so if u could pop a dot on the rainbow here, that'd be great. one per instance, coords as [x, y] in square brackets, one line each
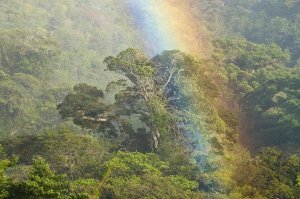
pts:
[166, 25]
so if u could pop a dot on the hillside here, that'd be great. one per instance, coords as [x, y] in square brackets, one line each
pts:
[150, 99]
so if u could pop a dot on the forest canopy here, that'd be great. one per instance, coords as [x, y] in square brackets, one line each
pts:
[87, 112]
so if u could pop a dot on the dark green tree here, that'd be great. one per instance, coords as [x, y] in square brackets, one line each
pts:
[85, 105]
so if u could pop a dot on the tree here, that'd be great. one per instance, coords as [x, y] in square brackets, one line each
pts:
[265, 89]
[26, 52]
[142, 97]
[271, 174]
[137, 175]
[4, 180]
[86, 106]
[76, 155]
[153, 91]
[41, 182]
[250, 56]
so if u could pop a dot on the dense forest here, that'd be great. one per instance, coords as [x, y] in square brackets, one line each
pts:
[87, 112]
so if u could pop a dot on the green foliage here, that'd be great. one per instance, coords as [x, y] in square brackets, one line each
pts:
[159, 115]
[265, 22]
[143, 96]
[147, 187]
[57, 44]
[84, 188]
[85, 105]
[270, 174]
[136, 175]
[4, 181]
[41, 182]
[124, 165]
[26, 57]
[249, 56]
[181, 102]
[267, 90]
[133, 64]
[26, 52]
[77, 156]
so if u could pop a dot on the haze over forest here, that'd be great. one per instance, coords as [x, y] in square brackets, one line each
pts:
[161, 99]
